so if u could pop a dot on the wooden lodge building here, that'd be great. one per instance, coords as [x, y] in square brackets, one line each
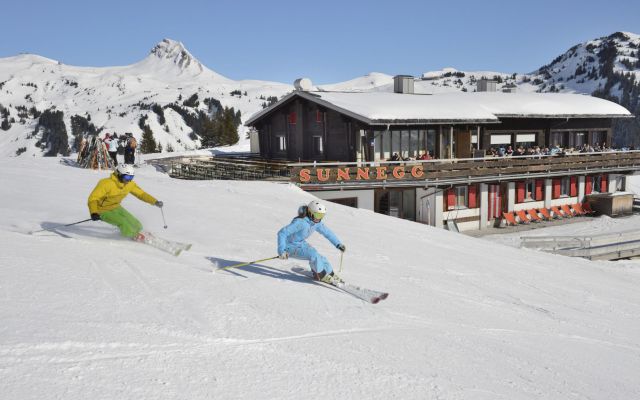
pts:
[342, 146]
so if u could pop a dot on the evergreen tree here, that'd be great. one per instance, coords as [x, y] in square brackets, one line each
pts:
[148, 144]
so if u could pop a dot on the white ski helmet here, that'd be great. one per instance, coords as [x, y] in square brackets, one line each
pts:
[125, 172]
[316, 210]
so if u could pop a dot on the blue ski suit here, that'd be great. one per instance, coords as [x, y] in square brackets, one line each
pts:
[292, 237]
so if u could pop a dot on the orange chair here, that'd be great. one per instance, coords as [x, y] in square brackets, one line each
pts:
[511, 220]
[534, 215]
[556, 211]
[545, 214]
[578, 209]
[523, 217]
[587, 208]
[567, 210]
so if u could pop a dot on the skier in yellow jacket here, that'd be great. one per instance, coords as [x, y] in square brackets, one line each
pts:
[104, 201]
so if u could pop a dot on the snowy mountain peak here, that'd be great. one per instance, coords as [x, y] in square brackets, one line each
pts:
[176, 53]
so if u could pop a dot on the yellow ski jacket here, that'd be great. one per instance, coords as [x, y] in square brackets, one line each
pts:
[109, 192]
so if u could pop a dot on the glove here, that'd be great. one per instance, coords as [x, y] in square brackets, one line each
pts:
[283, 256]
[341, 247]
[95, 217]
[159, 204]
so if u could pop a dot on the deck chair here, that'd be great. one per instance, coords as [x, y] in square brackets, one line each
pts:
[523, 217]
[567, 210]
[578, 209]
[511, 220]
[587, 209]
[557, 212]
[545, 214]
[534, 215]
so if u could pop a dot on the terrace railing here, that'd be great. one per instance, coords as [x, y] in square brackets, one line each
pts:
[458, 171]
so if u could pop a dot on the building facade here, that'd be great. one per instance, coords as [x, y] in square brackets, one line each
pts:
[446, 157]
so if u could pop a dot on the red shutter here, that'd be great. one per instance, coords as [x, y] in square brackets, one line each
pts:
[519, 192]
[556, 189]
[472, 196]
[573, 186]
[539, 186]
[451, 199]
[603, 184]
[318, 116]
[587, 186]
[293, 117]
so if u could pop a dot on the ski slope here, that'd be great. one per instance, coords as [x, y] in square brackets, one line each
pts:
[93, 316]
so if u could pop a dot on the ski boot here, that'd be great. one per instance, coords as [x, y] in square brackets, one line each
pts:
[327, 278]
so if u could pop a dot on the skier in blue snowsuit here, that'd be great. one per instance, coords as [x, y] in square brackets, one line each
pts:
[291, 241]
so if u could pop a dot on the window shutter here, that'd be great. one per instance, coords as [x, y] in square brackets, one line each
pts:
[319, 116]
[587, 186]
[556, 188]
[519, 192]
[573, 191]
[603, 184]
[293, 117]
[472, 196]
[451, 199]
[539, 186]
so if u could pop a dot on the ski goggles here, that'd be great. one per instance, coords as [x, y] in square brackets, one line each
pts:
[317, 216]
[127, 178]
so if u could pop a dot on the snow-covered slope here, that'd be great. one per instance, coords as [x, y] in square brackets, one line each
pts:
[95, 316]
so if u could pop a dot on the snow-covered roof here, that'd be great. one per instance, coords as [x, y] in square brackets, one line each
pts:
[457, 107]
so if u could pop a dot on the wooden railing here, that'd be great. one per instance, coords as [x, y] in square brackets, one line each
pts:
[228, 168]
[451, 171]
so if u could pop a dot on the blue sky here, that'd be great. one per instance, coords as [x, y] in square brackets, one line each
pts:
[327, 41]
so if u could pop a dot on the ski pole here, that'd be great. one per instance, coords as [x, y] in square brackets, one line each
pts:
[59, 226]
[341, 256]
[248, 263]
[163, 220]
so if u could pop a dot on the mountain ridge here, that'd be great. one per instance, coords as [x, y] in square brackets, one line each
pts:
[116, 99]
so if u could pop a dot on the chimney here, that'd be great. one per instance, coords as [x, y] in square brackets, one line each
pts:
[403, 84]
[486, 85]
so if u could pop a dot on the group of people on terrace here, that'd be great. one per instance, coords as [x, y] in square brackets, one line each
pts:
[509, 151]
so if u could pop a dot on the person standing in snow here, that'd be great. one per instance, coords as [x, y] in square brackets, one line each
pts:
[130, 149]
[112, 146]
[292, 240]
[104, 202]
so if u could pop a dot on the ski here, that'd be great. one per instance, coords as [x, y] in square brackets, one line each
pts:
[368, 295]
[169, 246]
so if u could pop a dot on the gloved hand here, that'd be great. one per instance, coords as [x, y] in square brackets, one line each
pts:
[95, 217]
[341, 247]
[159, 204]
[283, 256]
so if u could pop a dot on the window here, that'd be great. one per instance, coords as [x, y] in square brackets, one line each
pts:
[385, 138]
[395, 142]
[405, 144]
[500, 139]
[595, 183]
[462, 196]
[317, 145]
[282, 143]
[431, 141]
[530, 190]
[557, 139]
[525, 140]
[413, 145]
[565, 186]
